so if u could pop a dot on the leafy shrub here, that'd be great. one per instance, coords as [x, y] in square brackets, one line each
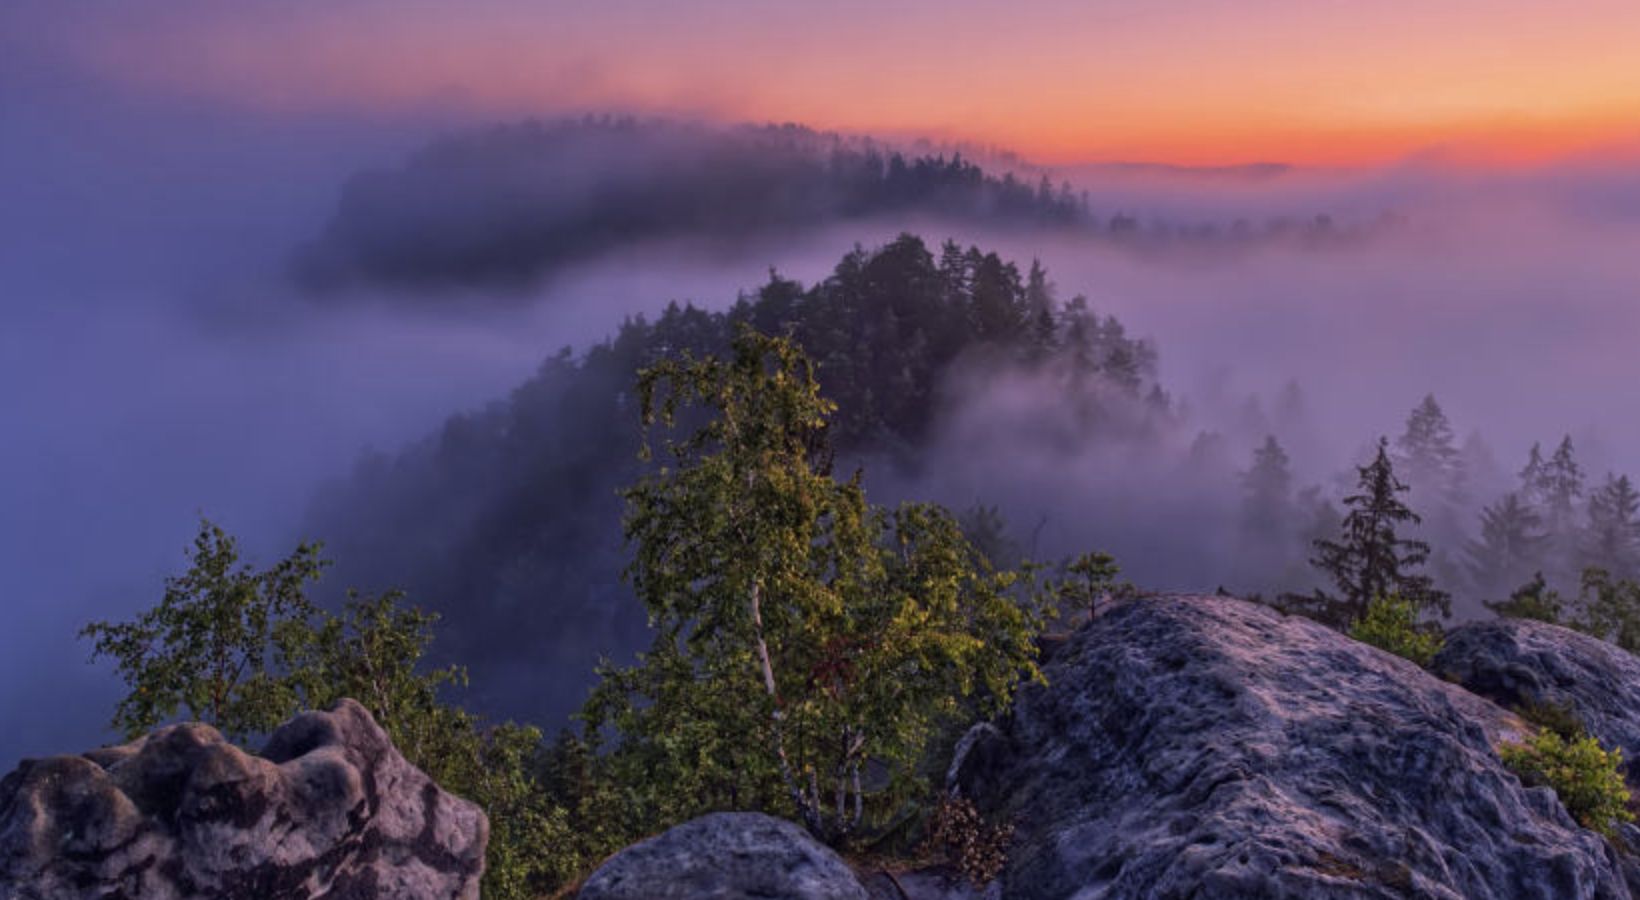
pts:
[1585, 776]
[1391, 624]
[1609, 609]
[244, 650]
[976, 848]
[805, 643]
[1559, 718]
[1532, 600]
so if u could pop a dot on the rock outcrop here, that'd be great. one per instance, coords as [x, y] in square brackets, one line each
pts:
[1212, 749]
[726, 856]
[1517, 662]
[1209, 748]
[330, 809]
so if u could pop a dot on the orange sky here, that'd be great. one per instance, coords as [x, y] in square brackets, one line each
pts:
[1183, 81]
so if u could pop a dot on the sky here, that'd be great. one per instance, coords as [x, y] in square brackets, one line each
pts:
[159, 162]
[1195, 82]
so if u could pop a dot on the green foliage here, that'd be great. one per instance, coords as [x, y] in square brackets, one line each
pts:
[218, 645]
[1088, 579]
[1391, 624]
[1532, 600]
[1587, 778]
[245, 650]
[1559, 718]
[1609, 609]
[807, 644]
[531, 851]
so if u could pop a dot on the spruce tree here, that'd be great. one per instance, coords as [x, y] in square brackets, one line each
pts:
[1429, 456]
[1611, 539]
[1039, 301]
[1268, 528]
[1561, 483]
[1371, 559]
[1532, 478]
[1267, 488]
[1510, 548]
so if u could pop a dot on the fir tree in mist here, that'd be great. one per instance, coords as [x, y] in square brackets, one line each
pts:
[1372, 559]
[1611, 537]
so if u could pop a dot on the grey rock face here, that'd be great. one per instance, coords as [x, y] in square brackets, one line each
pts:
[726, 856]
[330, 809]
[1205, 747]
[1517, 661]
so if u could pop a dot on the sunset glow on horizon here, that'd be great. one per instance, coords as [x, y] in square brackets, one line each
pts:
[1182, 82]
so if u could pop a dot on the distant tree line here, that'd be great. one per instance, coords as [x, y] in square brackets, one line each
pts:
[509, 205]
[1553, 534]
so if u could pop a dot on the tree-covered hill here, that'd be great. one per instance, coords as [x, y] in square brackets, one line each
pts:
[502, 208]
[507, 519]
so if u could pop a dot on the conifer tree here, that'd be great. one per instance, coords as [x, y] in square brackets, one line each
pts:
[1611, 539]
[1532, 477]
[1039, 302]
[1371, 559]
[1532, 600]
[1510, 547]
[1561, 484]
[1429, 457]
[1268, 485]
[1268, 526]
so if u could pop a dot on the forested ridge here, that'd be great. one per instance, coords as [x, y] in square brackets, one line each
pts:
[689, 486]
[508, 206]
[507, 519]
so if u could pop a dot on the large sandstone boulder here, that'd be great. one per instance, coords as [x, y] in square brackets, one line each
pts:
[1517, 662]
[1205, 747]
[726, 856]
[330, 809]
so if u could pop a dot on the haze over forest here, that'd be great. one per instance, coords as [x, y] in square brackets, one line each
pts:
[338, 304]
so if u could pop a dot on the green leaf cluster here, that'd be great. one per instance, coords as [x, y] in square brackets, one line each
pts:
[1089, 578]
[1606, 607]
[1586, 777]
[807, 645]
[1391, 624]
[244, 650]
[223, 646]
[1533, 600]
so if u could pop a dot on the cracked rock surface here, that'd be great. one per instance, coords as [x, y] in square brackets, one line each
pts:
[1205, 747]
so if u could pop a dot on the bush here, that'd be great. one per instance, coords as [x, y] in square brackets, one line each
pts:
[1532, 600]
[1559, 718]
[977, 849]
[1585, 776]
[244, 650]
[1392, 624]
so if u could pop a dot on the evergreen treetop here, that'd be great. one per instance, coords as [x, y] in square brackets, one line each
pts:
[1371, 559]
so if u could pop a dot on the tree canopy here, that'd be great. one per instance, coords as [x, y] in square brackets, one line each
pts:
[807, 644]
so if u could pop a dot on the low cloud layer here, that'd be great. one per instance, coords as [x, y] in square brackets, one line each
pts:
[507, 208]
